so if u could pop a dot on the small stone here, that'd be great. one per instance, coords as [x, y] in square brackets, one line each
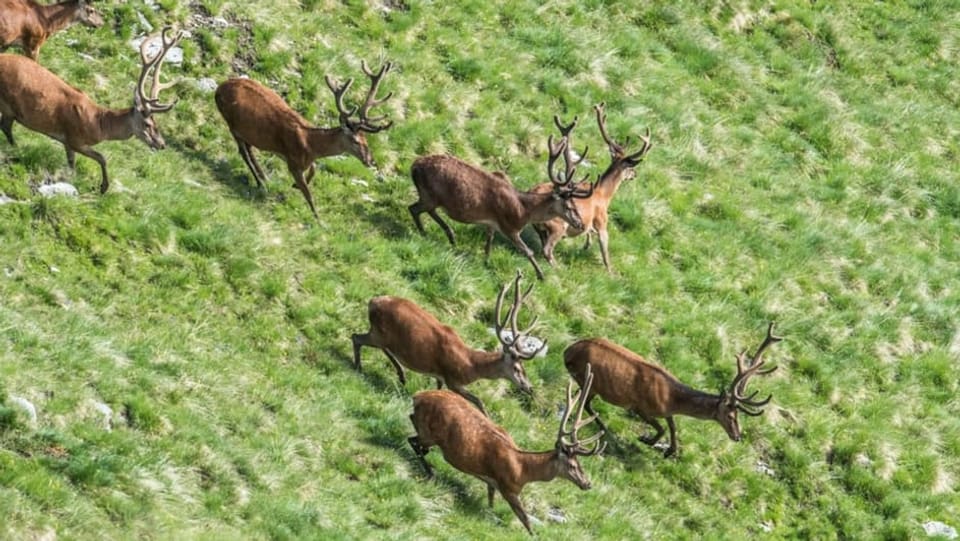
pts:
[937, 528]
[206, 84]
[58, 188]
[27, 408]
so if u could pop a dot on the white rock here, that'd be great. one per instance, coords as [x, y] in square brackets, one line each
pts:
[938, 528]
[58, 188]
[368, 198]
[359, 182]
[144, 22]
[206, 84]
[556, 515]
[174, 55]
[528, 344]
[763, 467]
[106, 412]
[4, 200]
[27, 408]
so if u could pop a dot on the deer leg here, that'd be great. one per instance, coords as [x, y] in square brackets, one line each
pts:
[673, 438]
[439, 383]
[310, 172]
[548, 247]
[652, 439]
[246, 152]
[603, 237]
[94, 155]
[518, 242]
[416, 210]
[446, 228]
[420, 451]
[490, 490]
[359, 340]
[517, 507]
[589, 239]
[396, 364]
[71, 158]
[486, 249]
[301, 185]
[469, 396]
[6, 124]
[591, 411]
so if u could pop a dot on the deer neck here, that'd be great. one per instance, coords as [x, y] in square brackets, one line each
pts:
[536, 206]
[693, 403]
[486, 364]
[115, 124]
[325, 142]
[538, 466]
[609, 182]
[58, 16]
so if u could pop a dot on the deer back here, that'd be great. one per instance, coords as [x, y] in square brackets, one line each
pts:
[470, 441]
[19, 18]
[260, 117]
[42, 102]
[418, 340]
[468, 193]
[621, 377]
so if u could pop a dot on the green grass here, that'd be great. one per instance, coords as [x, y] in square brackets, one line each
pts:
[803, 170]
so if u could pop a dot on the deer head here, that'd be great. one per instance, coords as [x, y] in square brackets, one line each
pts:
[569, 445]
[619, 154]
[144, 104]
[88, 15]
[354, 129]
[565, 188]
[513, 355]
[733, 399]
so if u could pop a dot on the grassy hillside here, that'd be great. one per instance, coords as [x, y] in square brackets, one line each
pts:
[185, 338]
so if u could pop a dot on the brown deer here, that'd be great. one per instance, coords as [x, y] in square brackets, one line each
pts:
[42, 102]
[28, 24]
[471, 195]
[259, 118]
[411, 337]
[625, 379]
[593, 209]
[475, 445]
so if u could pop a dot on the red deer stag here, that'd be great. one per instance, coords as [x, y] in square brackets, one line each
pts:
[413, 338]
[28, 24]
[475, 445]
[625, 379]
[474, 196]
[259, 118]
[38, 99]
[593, 210]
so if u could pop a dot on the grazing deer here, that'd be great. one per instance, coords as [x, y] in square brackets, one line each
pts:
[259, 118]
[593, 209]
[412, 337]
[474, 196]
[475, 445]
[38, 99]
[625, 379]
[28, 24]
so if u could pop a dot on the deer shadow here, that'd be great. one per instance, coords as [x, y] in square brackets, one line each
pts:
[383, 218]
[243, 184]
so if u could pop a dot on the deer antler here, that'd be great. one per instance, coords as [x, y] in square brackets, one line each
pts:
[618, 152]
[566, 186]
[747, 404]
[513, 344]
[364, 122]
[574, 445]
[152, 103]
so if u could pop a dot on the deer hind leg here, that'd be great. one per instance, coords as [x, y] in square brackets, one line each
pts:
[6, 124]
[246, 152]
[549, 245]
[518, 242]
[71, 158]
[397, 366]
[446, 228]
[514, 501]
[490, 491]
[587, 406]
[94, 155]
[486, 249]
[420, 450]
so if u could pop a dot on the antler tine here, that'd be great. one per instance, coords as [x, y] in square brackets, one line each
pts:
[338, 92]
[565, 130]
[555, 152]
[498, 324]
[366, 122]
[615, 149]
[756, 362]
[152, 103]
[576, 445]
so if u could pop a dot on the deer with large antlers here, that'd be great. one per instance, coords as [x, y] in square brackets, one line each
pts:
[27, 24]
[42, 102]
[625, 379]
[472, 195]
[593, 209]
[473, 444]
[259, 118]
[412, 337]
